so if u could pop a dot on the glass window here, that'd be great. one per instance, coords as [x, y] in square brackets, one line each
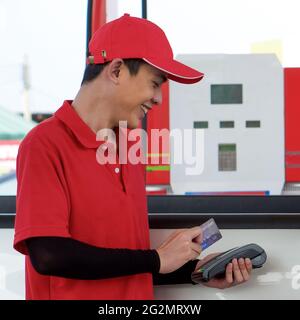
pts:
[226, 93]
[227, 157]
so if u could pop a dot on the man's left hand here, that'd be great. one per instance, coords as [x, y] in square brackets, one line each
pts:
[237, 272]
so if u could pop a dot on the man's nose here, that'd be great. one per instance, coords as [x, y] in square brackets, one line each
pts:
[157, 98]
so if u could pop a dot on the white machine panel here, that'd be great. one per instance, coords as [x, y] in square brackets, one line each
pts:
[240, 104]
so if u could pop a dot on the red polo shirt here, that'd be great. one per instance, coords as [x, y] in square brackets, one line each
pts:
[63, 191]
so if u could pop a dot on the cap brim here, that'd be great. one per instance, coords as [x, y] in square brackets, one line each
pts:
[176, 70]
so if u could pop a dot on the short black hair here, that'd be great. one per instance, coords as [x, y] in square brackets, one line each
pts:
[93, 70]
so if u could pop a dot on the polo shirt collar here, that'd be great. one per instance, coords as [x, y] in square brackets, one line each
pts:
[81, 130]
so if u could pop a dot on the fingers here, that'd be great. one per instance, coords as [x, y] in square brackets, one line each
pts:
[172, 236]
[194, 232]
[229, 276]
[237, 272]
[248, 265]
[194, 235]
[198, 239]
[196, 249]
[243, 269]
[178, 249]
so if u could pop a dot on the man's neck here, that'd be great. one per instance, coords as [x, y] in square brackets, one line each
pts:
[95, 111]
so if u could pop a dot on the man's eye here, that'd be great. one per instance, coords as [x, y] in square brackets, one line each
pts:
[156, 85]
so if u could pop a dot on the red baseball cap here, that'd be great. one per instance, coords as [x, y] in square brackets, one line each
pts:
[131, 37]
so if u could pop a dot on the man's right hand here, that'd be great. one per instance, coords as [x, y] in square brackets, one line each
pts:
[180, 247]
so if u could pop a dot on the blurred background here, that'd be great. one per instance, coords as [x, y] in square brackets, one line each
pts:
[42, 59]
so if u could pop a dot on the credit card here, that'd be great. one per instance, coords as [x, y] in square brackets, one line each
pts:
[210, 233]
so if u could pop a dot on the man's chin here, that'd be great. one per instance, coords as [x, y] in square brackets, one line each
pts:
[133, 125]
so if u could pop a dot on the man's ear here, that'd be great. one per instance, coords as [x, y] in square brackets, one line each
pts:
[114, 69]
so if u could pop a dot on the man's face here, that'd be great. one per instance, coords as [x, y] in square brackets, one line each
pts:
[138, 93]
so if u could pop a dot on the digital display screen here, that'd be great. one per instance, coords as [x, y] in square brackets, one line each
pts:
[226, 93]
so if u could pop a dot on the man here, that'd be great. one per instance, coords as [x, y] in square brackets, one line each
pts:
[83, 225]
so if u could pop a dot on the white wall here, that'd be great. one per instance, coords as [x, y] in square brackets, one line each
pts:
[12, 268]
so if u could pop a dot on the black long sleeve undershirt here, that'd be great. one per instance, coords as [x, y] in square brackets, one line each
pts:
[70, 258]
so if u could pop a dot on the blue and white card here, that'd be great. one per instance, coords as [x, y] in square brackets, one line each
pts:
[210, 233]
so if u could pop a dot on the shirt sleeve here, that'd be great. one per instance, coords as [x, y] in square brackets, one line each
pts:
[70, 258]
[179, 276]
[42, 206]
